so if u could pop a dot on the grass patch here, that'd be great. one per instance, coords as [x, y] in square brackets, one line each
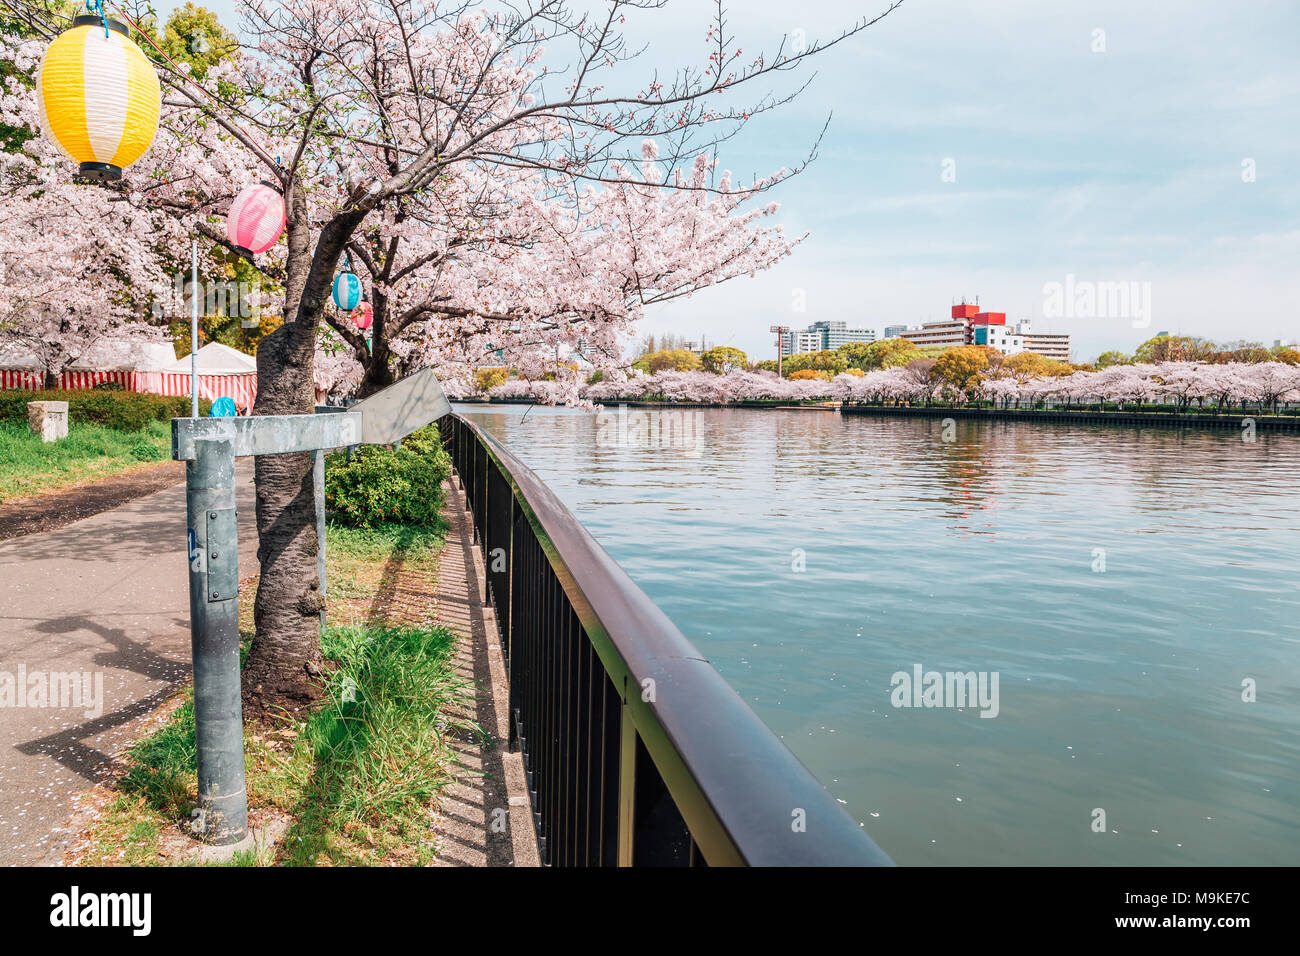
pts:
[29, 465]
[357, 557]
[379, 748]
[358, 776]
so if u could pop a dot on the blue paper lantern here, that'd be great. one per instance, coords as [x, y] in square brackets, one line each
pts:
[347, 291]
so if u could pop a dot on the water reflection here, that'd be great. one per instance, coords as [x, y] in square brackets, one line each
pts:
[811, 556]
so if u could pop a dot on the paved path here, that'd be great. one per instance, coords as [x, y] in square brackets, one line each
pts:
[484, 817]
[107, 598]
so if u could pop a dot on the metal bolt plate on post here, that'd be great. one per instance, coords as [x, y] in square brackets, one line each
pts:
[223, 555]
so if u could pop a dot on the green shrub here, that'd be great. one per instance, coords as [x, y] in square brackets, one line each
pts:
[144, 451]
[124, 411]
[379, 485]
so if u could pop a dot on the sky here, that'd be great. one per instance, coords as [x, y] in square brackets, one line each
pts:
[994, 148]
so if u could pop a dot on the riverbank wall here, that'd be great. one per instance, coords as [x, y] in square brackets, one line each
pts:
[764, 406]
[1238, 422]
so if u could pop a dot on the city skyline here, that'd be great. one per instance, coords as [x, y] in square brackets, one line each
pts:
[1089, 171]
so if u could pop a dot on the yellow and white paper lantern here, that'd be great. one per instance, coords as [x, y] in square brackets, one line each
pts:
[99, 97]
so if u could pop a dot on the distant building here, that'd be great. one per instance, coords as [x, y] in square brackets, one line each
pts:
[821, 336]
[970, 326]
[804, 340]
[947, 334]
[1052, 345]
[1006, 339]
[894, 331]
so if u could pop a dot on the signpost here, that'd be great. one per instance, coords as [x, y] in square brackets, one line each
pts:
[209, 447]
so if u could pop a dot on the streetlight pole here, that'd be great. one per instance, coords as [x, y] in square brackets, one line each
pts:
[780, 331]
[194, 331]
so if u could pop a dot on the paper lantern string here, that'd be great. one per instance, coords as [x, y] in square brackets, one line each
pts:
[161, 52]
[95, 6]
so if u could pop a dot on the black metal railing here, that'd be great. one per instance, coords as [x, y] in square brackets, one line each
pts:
[637, 752]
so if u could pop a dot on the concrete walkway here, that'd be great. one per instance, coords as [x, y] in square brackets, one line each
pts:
[104, 599]
[484, 818]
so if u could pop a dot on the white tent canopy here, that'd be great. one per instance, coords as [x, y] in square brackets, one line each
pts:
[125, 355]
[17, 357]
[216, 359]
[223, 371]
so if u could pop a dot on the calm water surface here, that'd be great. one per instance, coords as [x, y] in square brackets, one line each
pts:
[1119, 689]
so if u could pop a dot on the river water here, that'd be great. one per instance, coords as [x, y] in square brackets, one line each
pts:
[1127, 587]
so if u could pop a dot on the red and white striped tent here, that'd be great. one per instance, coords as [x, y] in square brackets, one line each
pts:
[223, 371]
[136, 366]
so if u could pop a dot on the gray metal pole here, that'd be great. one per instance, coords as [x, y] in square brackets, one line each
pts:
[194, 331]
[318, 476]
[214, 636]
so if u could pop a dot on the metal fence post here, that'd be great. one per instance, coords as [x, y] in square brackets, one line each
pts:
[318, 478]
[626, 789]
[214, 635]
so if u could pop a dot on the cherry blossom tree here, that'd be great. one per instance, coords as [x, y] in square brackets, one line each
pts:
[90, 275]
[360, 112]
[1236, 383]
[543, 274]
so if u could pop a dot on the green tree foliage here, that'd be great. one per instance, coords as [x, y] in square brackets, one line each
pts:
[486, 379]
[961, 367]
[1107, 359]
[1248, 352]
[1172, 348]
[855, 353]
[223, 328]
[678, 360]
[1190, 348]
[194, 35]
[826, 361]
[887, 353]
[724, 359]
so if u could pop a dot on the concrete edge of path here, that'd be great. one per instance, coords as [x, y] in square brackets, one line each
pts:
[491, 785]
[60, 507]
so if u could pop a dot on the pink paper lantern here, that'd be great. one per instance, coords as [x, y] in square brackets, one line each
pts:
[363, 315]
[256, 219]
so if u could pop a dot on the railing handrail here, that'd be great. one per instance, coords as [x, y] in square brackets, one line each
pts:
[744, 795]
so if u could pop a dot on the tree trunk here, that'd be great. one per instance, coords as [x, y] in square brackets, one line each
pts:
[378, 374]
[284, 664]
[285, 661]
[51, 380]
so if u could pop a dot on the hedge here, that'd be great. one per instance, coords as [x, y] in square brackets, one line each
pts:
[379, 485]
[125, 411]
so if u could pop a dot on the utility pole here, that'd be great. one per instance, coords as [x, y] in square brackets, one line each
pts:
[781, 331]
[194, 331]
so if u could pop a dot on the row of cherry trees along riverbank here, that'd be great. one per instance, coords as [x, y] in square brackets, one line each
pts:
[1183, 384]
